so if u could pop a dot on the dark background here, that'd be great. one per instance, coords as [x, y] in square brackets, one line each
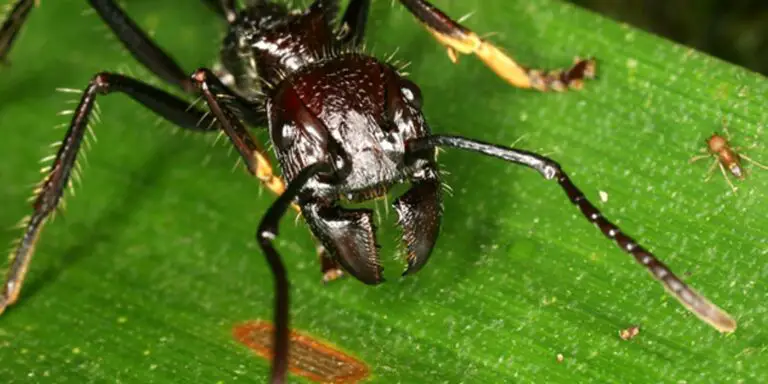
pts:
[735, 31]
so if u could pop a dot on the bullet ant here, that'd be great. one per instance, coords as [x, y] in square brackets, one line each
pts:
[345, 126]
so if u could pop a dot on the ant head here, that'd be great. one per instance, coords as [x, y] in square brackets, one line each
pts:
[357, 114]
[717, 143]
[354, 113]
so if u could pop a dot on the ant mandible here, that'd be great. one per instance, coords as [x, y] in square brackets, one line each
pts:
[345, 127]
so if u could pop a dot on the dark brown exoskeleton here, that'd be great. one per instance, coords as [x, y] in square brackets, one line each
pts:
[345, 127]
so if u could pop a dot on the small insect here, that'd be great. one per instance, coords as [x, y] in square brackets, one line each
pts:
[629, 333]
[309, 357]
[726, 157]
[346, 127]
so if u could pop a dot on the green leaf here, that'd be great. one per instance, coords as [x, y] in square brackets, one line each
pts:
[143, 276]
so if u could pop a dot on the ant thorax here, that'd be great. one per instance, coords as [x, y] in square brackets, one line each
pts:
[267, 42]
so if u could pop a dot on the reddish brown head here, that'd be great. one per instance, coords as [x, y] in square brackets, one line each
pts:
[356, 114]
[717, 143]
[720, 147]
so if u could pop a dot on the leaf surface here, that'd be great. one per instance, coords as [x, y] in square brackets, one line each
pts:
[143, 276]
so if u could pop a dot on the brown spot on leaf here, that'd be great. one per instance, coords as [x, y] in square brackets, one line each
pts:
[308, 357]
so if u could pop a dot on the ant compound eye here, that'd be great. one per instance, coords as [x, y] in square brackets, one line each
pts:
[408, 94]
[339, 162]
[287, 136]
[411, 93]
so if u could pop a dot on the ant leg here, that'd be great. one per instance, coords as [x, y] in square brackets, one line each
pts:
[12, 26]
[254, 115]
[267, 232]
[354, 22]
[548, 168]
[725, 175]
[255, 157]
[751, 146]
[697, 158]
[225, 8]
[50, 191]
[459, 39]
[143, 49]
[711, 170]
[747, 158]
[725, 129]
[140, 46]
[258, 164]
